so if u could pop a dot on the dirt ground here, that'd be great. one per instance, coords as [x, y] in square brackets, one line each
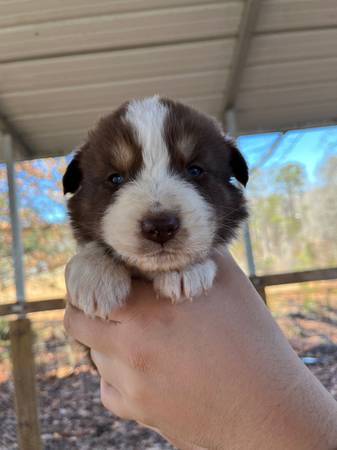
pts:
[72, 416]
[71, 413]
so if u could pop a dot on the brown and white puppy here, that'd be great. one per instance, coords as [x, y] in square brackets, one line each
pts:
[153, 195]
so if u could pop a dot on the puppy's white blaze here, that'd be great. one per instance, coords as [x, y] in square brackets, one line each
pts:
[147, 118]
[155, 189]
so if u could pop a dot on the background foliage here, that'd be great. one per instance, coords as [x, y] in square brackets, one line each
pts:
[292, 203]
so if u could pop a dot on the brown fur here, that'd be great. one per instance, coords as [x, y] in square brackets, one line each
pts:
[191, 138]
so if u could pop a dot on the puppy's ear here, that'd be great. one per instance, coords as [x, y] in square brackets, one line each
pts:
[73, 177]
[238, 164]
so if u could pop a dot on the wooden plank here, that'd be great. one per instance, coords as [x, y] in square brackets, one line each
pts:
[260, 288]
[116, 66]
[30, 307]
[28, 428]
[260, 282]
[105, 95]
[296, 277]
[281, 15]
[22, 12]
[92, 34]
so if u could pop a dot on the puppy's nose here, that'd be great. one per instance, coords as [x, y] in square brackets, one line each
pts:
[160, 227]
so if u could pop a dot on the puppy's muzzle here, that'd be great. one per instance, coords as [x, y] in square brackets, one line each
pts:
[160, 228]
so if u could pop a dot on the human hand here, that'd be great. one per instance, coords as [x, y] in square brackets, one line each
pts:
[216, 373]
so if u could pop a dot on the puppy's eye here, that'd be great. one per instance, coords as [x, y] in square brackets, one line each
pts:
[116, 179]
[195, 171]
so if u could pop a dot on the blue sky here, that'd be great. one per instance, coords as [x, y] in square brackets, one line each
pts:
[308, 147]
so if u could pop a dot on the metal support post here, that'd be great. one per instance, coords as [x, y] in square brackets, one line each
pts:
[15, 221]
[21, 334]
[232, 130]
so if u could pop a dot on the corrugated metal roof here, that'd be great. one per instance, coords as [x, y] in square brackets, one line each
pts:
[65, 63]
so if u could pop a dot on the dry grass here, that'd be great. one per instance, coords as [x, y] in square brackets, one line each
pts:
[39, 287]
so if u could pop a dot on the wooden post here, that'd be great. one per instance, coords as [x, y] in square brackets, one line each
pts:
[260, 287]
[28, 428]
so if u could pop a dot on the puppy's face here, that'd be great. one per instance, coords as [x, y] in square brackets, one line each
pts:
[154, 183]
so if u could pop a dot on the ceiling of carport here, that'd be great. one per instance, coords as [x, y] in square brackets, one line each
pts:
[65, 63]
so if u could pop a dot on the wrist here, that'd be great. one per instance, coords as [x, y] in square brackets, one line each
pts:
[301, 416]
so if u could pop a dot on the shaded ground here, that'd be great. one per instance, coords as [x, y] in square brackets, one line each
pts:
[72, 418]
[71, 414]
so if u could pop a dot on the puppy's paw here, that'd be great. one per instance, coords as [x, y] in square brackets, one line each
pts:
[96, 284]
[186, 284]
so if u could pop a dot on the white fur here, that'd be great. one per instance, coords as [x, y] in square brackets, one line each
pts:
[147, 118]
[93, 275]
[121, 227]
[187, 284]
[155, 190]
[95, 282]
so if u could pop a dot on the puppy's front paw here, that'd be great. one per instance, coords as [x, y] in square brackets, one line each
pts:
[187, 284]
[96, 283]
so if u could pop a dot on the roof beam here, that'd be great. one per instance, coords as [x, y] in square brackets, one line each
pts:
[10, 128]
[247, 26]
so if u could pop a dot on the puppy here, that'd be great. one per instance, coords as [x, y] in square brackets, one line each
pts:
[151, 193]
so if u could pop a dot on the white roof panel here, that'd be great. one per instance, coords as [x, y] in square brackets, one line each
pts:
[284, 118]
[114, 66]
[66, 140]
[104, 94]
[64, 63]
[286, 15]
[25, 12]
[293, 46]
[299, 72]
[113, 31]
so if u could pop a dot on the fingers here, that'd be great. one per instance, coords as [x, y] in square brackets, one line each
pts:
[181, 444]
[119, 404]
[113, 400]
[94, 333]
[111, 369]
[177, 442]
